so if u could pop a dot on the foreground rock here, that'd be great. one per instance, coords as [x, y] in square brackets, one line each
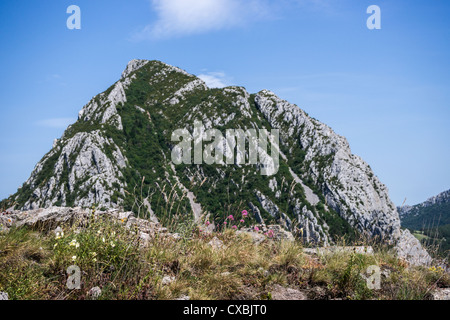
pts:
[337, 249]
[262, 232]
[216, 243]
[53, 218]
[94, 293]
[441, 294]
[409, 249]
[280, 293]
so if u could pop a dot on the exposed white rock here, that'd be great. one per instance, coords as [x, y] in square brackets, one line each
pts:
[240, 100]
[132, 66]
[196, 207]
[116, 96]
[310, 195]
[256, 237]
[308, 227]
[56, 217]
[271, 208]
[322, 251]
[216, 243]
[441, 294]
[257, 213]
[167, 280]
[353, 191]
[281, 293]
[95, 293]
[351, 188]
[84, 159]
[273, 184]
[196, 84]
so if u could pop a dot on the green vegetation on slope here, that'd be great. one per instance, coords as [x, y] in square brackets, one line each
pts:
[427, 216]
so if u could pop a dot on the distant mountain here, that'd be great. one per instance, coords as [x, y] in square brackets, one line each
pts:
[434, 212]
[118, 155]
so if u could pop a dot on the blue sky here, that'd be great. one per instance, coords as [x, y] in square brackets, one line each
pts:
[387, 91]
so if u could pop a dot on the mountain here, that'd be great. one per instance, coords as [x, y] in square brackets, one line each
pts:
[118, 154]
[432, 213]
[430, 220]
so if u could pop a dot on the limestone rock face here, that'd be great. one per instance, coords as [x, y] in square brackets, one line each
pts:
[118, 155]
[132, 66]
[83, 162]
[348, 183]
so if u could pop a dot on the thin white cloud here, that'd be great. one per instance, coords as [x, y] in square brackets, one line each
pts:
[59, 123]
[214, 79]
[186, 17]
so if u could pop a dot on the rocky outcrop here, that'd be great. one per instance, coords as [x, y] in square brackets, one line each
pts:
[82, 160]
[281, 293]
[260, 233]
[56, 217]
[132, 66]
[348, 183]
[441, 294]
[339, 249]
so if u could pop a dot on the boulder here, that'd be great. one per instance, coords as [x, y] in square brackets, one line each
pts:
[281, 293]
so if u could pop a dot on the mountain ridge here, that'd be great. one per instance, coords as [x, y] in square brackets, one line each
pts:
[430, 221]
[440, 199]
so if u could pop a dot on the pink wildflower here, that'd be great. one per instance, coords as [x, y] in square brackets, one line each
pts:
[230, 217]
[256, 228]
[234, 227]
[244, 213]
[242, 221]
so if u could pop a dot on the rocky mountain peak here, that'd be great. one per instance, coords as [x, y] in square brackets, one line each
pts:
[118, 155]
[132, 66]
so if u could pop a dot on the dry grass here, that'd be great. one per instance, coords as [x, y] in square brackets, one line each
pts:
[34, 266]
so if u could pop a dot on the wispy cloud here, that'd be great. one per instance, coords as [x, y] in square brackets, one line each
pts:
[182, 17]
[59, 123]
[214, 79]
